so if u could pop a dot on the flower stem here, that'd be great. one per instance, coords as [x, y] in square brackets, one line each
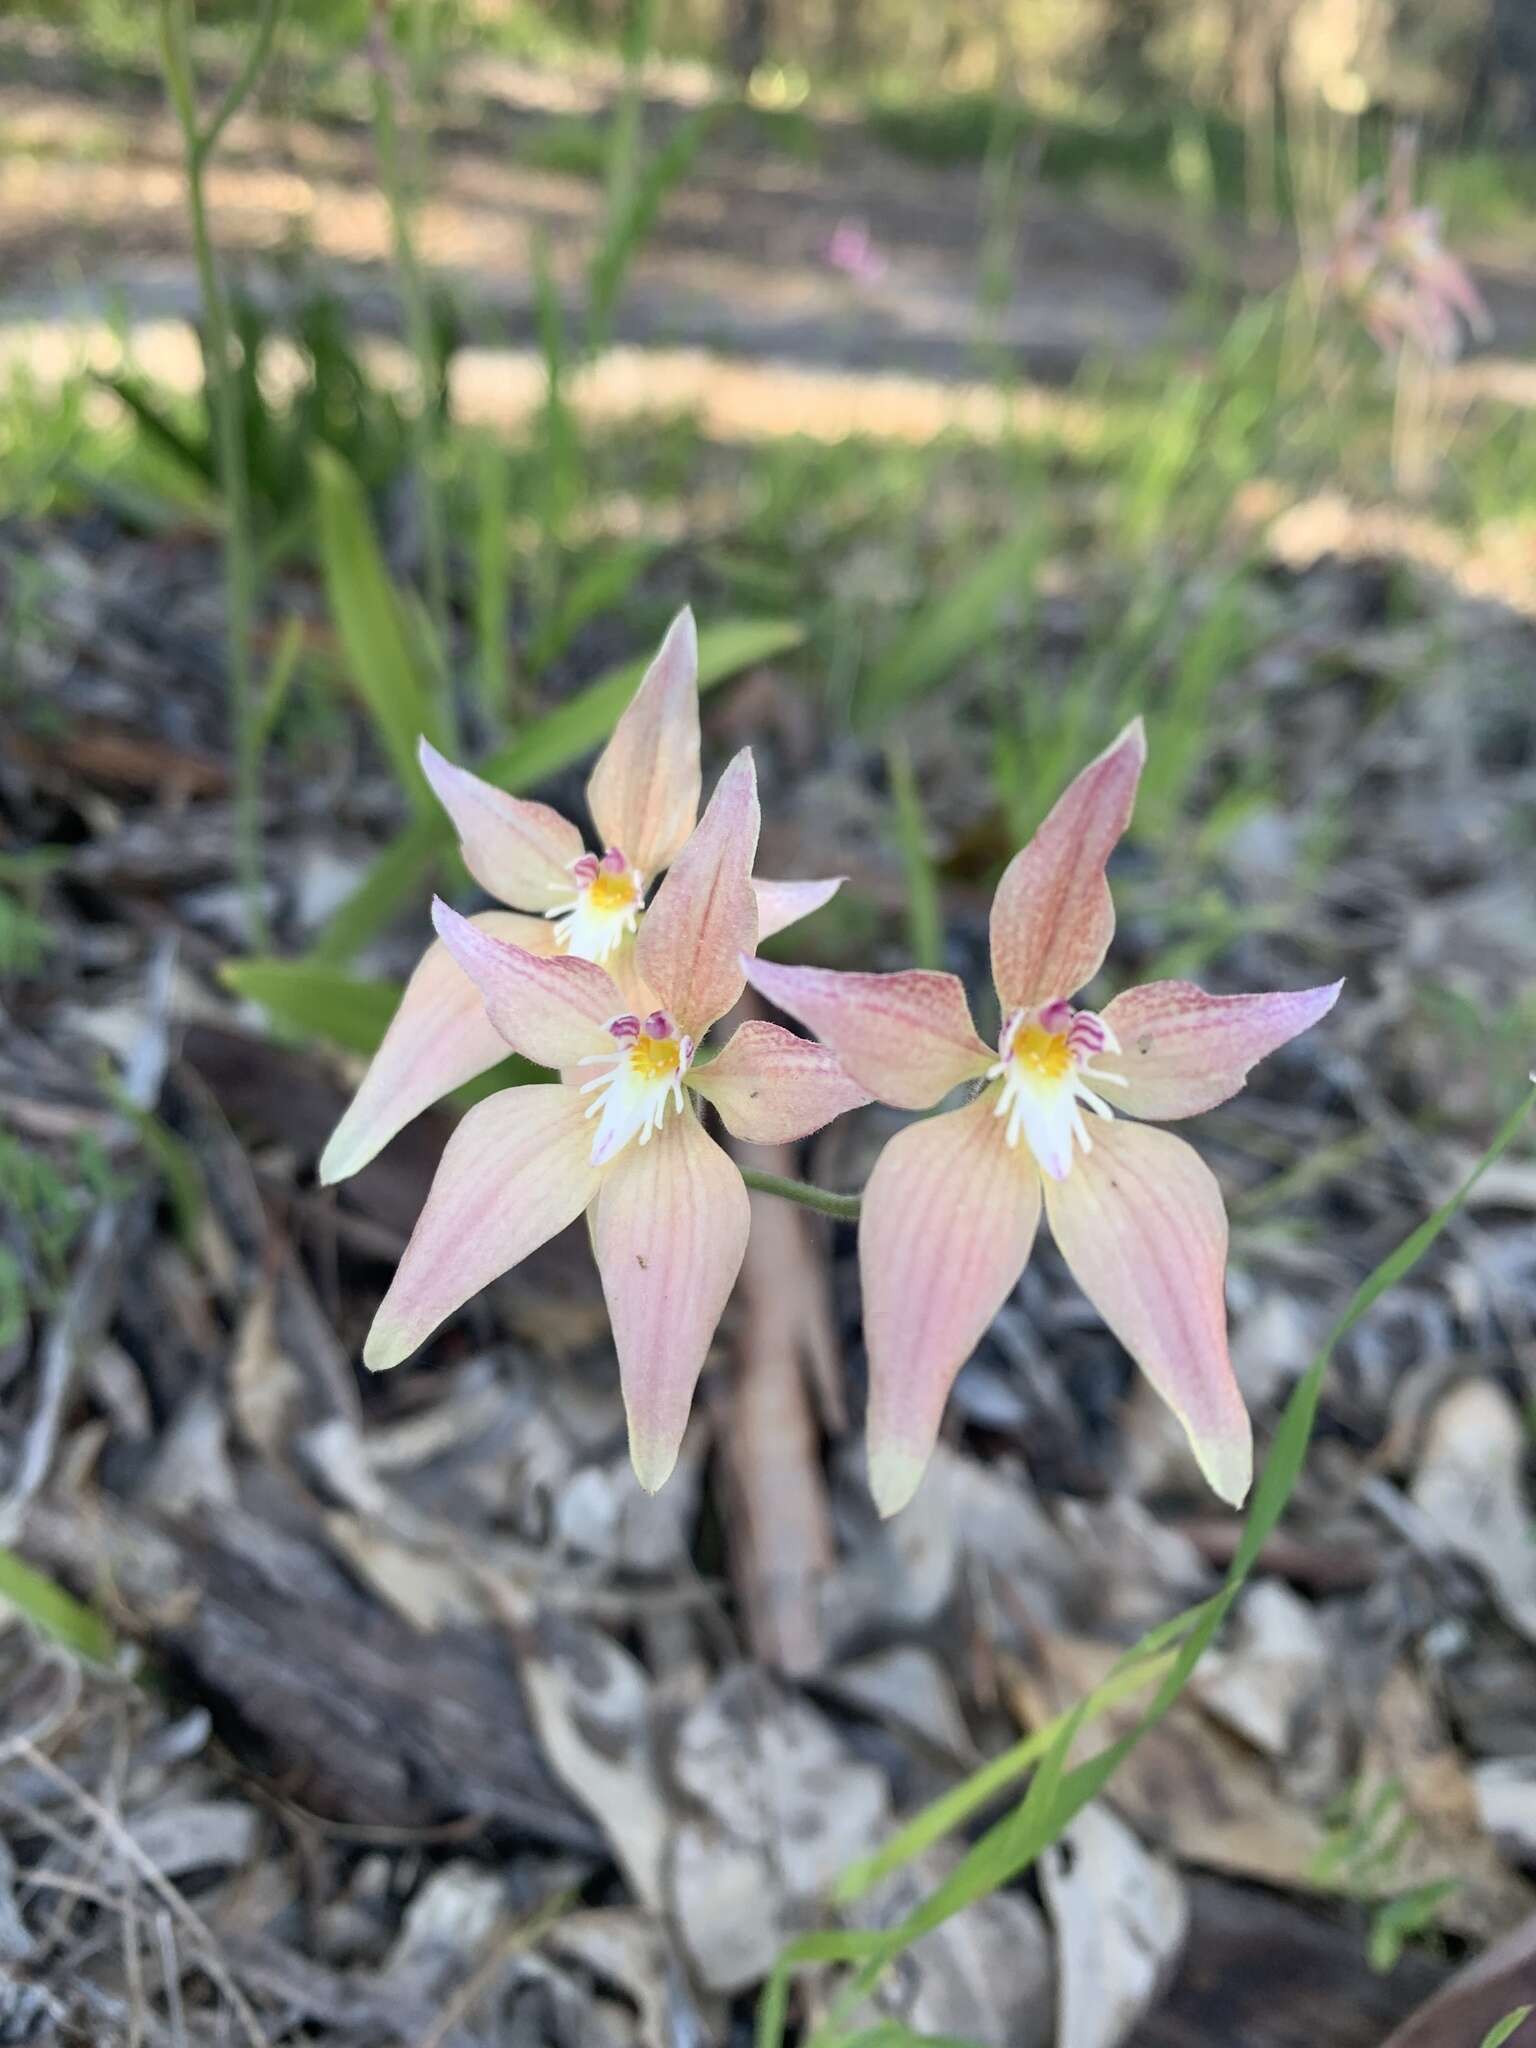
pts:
[844, 1207]
[224, 407]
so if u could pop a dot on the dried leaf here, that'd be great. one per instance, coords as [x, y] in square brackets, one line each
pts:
[779, 1807]
[1470, 1486]
[1121, 1918]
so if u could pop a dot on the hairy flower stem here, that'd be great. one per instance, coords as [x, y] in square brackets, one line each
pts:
[414, 303]
[845, 1208]
[198, 143]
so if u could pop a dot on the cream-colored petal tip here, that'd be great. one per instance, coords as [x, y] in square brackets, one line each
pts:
[336, 1163]
[1227, 1465]
[894, 1476]
[386, 1346]
[653, 1459]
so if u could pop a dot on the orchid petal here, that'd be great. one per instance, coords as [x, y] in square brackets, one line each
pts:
[670, 1231]
[639, 997]
[772, 1088]
[704, 915]
[553, 1010]
[515, 1171]
[1052, 917]
[1182, 1051]
[781, 904]
[439, 1038]
[644, 791]
[520, 851]
[908, 1038]
[948, 1219]
[1140, 1221]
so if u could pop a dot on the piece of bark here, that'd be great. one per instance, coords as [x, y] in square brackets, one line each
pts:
[312, 1682]
[781, 1527]
[1270, 1972]
[276, 1095]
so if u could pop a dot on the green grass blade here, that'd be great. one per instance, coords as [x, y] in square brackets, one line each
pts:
[493, 580]
[542, 749]
[601, 585]
[945, 1815]
[57, 1613]
[316, 1001]
[321, 1002]
[941, 635]
[560, 456]
[396, 872]
[925, 919]
[281, 672]
[1506, 2028]
[584, 721]
[892, 2034]
[157, 426]
[629, 222]
[376, 633]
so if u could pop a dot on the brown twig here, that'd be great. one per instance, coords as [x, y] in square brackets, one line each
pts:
[88, 1303]
[514, 1937]
[178, 1910]
[782, 1527]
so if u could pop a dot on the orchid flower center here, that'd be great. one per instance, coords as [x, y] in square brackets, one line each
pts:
[1045, 1063]
[606, 898]
[644, 1074]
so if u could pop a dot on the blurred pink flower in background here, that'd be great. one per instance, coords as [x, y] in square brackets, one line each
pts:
[852, 249]
[1388, 262]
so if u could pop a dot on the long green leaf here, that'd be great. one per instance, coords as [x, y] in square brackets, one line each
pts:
[545, 746]
[633, 215]
[493, 577]
[376, 634]
[319, 1002]
[323, 1002]
[925, 918]
[941, 635]
[1506, 2028]
[892, 2034]
[157, 426]
[57, 1613]
[944, 1815]
[1012, 1844]
[601, 585]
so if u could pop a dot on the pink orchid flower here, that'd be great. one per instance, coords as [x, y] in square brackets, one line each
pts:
[1390, 263]
[643, 794]
[618, 1135]
[852, 249]
[952, 1206]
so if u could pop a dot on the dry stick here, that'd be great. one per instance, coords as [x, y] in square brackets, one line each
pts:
[88, 1302]
[190, 1921]
[781, 1540]
[170, 1976]
[518, 1935]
